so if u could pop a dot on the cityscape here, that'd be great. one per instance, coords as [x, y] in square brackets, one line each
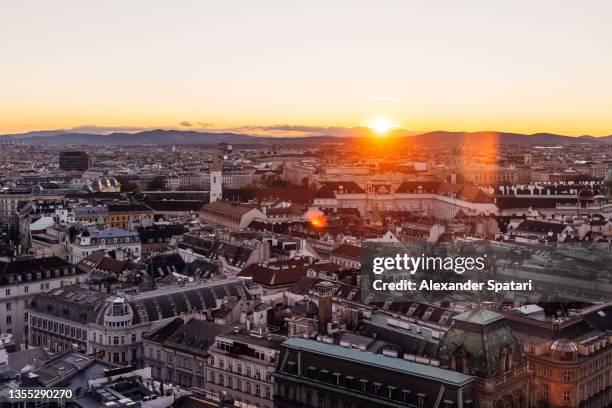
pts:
[230, 274]
[326, 204]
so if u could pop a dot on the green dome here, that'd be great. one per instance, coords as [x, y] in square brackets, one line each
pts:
[479, 343]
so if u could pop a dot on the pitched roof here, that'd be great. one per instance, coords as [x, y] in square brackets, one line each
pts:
[276, 273]
[541, 226]
[228, 209]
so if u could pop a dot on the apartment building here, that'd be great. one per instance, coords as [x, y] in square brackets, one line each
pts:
[242, 364]
[21, 279]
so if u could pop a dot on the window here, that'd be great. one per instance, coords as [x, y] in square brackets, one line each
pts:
[545, 391]
[26, 288]
[9, 319]
[9, 306]
[567, 376]
[8, 292]
[567, 396]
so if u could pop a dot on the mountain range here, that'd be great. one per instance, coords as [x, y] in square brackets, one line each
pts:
[181, 137]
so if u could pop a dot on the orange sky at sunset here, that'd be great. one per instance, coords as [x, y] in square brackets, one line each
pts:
[271, 67]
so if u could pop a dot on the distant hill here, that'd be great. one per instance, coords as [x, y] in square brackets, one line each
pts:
[159, 137]
[179, 137]
[506, 138]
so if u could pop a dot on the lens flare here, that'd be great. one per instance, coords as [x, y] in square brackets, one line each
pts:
[316, 218]
[381, 125]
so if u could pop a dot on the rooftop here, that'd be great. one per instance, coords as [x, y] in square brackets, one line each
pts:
[479, 316]
[381, 361]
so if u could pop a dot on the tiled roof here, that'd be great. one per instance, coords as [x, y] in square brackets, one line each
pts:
[276, 273]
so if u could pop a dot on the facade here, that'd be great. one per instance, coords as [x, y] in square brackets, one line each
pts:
[112, 239]
[8, 210]
[112, 327]
[75, 161]
[91, 215]
[242, 364]
[480, 343]
[94, 323]
[237, 179]
[571, 359]
[178, 352]
[442, 200]
[129, 216]
[22, 279]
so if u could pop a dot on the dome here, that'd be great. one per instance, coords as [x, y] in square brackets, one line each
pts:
[479, 343]
[119, 307]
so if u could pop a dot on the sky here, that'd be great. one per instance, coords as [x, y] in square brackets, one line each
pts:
[291, 68]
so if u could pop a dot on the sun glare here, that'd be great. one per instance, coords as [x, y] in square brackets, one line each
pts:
[380, 125]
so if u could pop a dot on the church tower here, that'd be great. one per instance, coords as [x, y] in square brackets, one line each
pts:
[216, 179]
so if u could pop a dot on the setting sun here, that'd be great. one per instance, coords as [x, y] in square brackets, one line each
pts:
[381, 125]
